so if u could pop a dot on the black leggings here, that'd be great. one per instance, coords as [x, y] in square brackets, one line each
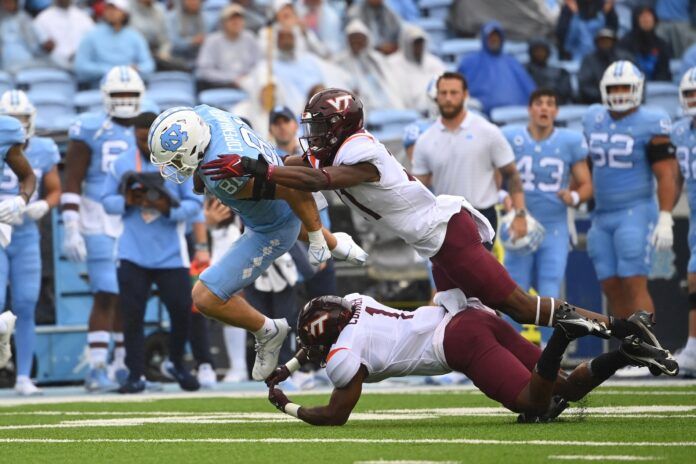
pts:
[174, 287]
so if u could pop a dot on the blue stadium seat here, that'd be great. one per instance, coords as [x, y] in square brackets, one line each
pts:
[172, 81]
[53, 111]
[88, 100]
[165, 99]
[664, 95]
[435, 8]
[509, 115]
[222, 98]
[436, 30]
[5, 82]
[520, 50]
[46, 80]
[453, 49]
[388, 120]
[570, 116]
[675, 67]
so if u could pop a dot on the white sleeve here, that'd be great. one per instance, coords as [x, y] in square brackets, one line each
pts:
[501, 151]
[342, 366]
[360, 150]
[420, 166]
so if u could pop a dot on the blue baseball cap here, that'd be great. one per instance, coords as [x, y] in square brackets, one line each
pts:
[279, 111]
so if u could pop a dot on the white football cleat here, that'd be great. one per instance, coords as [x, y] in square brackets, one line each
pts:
[25, 387]
[206, 376]
[268, 351]
[7, 323]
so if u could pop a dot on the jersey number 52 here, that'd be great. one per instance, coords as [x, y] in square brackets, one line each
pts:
[613, 151]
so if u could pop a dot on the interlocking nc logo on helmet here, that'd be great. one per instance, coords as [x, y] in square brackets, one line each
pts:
[316, 327]
[173, 138]
[340, 103]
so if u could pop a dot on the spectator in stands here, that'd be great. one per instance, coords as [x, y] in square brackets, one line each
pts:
[688, 60]
[286, 17]
[593, 65]
[20, 44]
[186, 27]
[255, 16]
[495, 78]
[406, 9]
[578, 25]
[372, 78]
[521, 19]
[546, 76]
[320, 17]
[675, 24]
[151, 249]
[415, 66]
[112, 43]
[60, 28]
[149, 18]
[229, 54]
[649, 52]
[384, 25]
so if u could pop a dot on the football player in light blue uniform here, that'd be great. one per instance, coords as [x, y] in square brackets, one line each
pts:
[180, 139]
[630, 147]
[20, 262]
[684, 138]
[96, 140]
[547, 157]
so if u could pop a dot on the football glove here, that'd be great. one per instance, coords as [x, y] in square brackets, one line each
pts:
[663, 237]
[278, 398]
[347, 250]
[280, 374]
[11, 210]
[527, 244]
[318, 250]
[37, 209]
[227, 166]
[73, 243]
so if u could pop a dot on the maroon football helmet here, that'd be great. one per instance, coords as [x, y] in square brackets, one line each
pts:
[319, 324]
[330, 117]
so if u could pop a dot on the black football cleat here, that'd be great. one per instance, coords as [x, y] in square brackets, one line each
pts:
[643, 320]
[557, 406]
[641, 353]
[575, 326]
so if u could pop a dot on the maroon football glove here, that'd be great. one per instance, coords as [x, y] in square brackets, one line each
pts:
[280, 374]
[278, 398]
[224, 167]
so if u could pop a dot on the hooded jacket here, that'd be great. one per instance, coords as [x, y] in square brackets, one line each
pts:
[649, 52]
[547, 76]
[495, 78]
[576, 32]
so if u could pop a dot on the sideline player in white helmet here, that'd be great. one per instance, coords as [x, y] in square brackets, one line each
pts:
[182, 138]
[684, 138]
[22, 257]
[96, 140]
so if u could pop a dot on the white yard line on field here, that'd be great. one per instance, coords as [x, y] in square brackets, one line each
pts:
[609, 457]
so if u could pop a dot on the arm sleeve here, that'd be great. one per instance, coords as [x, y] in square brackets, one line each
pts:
[342, 366]
[501, 151]
[421, 165]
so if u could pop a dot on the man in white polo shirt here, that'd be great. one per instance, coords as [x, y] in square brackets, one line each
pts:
[460, 152]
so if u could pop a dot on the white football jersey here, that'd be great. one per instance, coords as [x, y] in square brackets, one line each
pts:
[398, 201]
[388, 342]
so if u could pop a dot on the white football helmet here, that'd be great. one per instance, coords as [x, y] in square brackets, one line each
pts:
[688, 83]
[122, 79]
[177, 140]
[622, 73]
[527, 244]
[15, 103]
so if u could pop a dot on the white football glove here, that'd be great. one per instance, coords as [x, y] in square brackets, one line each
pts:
[347, 250]
[37, 209]
[11, 210]
[663, 237]
[73, 244]
[318, 249]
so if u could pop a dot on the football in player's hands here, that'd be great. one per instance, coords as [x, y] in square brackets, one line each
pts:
[347, 250]
[280, 374]
[224, 167]
[278, 398]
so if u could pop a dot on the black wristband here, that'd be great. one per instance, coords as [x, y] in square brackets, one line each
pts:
[255, 167]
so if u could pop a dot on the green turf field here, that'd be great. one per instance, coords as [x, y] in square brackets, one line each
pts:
[615, 424]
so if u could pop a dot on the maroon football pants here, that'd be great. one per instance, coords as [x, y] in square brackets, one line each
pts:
[463, 262]
[491, 353]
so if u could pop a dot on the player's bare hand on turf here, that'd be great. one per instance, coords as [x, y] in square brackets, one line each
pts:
[225, 167]
[518, 227]
[280, 374]
[278, 398]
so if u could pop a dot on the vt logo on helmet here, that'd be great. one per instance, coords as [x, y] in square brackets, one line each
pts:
[319, 324]
[330, 117]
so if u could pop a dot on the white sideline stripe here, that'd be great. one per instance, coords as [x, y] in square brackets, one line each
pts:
[610, 457]
[377, 441]
[406, 462]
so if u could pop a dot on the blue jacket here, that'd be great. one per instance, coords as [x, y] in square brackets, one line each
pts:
[159, 243]
[102, 48]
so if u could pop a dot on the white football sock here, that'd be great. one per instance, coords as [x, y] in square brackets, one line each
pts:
[267, 330]
[98, 355]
